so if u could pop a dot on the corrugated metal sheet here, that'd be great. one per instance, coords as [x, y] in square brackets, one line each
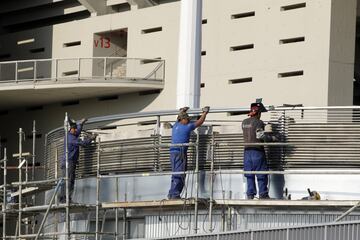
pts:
[340, 231]
[179, 224]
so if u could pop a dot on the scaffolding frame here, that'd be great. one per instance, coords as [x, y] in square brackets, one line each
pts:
[69, 208]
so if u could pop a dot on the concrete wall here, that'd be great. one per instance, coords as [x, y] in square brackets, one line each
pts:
[342, 52]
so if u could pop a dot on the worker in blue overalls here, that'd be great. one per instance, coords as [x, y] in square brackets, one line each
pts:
[181, 131]
[254, 155]
[73, 142]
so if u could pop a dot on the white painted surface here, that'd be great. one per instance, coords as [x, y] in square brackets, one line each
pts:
[189, 63]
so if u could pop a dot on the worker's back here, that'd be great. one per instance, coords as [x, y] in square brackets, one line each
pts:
[249, 127]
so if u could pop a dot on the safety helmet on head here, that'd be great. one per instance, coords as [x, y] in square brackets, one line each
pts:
[183, 115]
[256, 108]
[72, 123]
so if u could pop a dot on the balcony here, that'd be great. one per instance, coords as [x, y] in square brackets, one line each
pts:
[44, 81]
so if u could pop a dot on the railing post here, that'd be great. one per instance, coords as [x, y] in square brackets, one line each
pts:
[117, 211]
[196, 183]
[97, 191]
[212, 149]
[20, 179]
[4, 194]
[79, 63]
[56, 69]
[35, 70]
[67, 184]
[16, 72]
[105, 63]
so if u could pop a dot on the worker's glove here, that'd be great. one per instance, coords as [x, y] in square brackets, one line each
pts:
[206, 109]
[184, 109]
[93, 137]
[82, 121]
[268, 128]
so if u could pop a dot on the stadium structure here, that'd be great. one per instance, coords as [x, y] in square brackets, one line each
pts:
[127, 65]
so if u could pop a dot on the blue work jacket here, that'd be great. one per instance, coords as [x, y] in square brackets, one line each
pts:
[74, 142]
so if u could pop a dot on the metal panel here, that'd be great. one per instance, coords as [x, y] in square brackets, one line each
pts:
[179, 223]
[342, 231]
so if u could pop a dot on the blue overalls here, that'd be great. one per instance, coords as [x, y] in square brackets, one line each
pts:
[254, 160]
[178, 157]
[74, 142]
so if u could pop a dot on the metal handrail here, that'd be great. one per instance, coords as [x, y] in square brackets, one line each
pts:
[13, 73]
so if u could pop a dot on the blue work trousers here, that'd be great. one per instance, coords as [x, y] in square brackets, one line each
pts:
[72, 174]
[178, 164]
[255, 160]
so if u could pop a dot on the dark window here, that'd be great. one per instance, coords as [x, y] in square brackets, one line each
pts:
[204, 21]
[292, 40]
[72, 44]
[151, 30]
[203, 53]
[202, 85]
[242, 47]
[37, 50]
[146, 61]
[70, 73]
[293, 6]
[243, 15]
[240, 80]
[291, 74]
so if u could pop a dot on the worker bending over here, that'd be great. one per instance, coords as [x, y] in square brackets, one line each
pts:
[254, 156]
[73, 143]
[181, 131]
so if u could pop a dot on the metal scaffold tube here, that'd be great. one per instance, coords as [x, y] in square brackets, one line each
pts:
[97, 190]
[196, 210]
[67, 185]
[4, 195]
[211, 182]
[20, 181]
[33, 170]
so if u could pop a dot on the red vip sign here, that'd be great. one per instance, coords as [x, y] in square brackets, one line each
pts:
[103, 42]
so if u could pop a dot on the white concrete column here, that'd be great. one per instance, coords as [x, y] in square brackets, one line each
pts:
[189, 58]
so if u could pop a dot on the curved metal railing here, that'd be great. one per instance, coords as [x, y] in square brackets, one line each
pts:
[76, 69]
[327, 137]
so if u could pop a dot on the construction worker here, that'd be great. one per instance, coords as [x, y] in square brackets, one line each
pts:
[181, 131]
[73, 142]
[254, 156]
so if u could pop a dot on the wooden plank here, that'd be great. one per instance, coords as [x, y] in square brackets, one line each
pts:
[289, 203]
[145, 204]
[24, 191]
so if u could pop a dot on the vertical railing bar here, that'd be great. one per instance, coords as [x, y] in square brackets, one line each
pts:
[56, 69]
[196, 183]
[35, 70]
[16, 72]
[4, 194]
[212, 146]
[79, 63]
[97, 190]
[20, 180]
[67, 217]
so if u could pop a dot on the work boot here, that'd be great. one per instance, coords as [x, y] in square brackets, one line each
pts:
[250, 197]
[265, 196]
